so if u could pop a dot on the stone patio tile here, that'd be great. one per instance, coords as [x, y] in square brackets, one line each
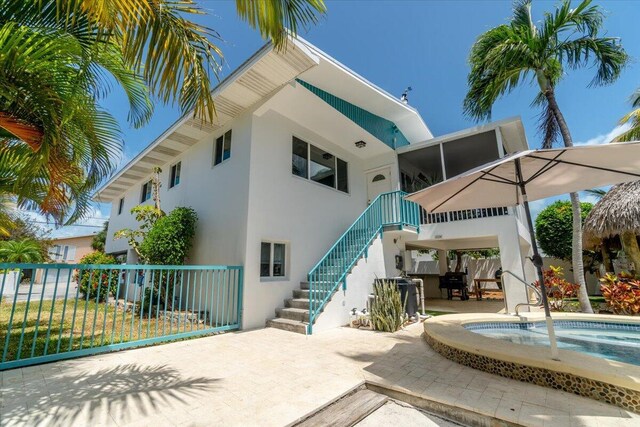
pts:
[270, 377]
[508, 410]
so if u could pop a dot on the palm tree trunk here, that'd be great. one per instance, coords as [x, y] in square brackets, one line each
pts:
[606, 257]
[631, 249]
[576, 247]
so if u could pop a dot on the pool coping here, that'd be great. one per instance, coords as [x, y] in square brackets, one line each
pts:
[450, 338]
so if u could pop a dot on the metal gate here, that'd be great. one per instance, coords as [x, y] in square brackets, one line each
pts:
[63, 311]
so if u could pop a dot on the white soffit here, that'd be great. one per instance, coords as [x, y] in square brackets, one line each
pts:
[259, 77]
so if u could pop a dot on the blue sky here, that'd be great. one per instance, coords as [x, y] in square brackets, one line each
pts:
[422, 44]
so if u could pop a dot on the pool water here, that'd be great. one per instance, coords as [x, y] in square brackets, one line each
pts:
[613, 341]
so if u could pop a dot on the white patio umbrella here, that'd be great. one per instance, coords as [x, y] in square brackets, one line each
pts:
[531, 175]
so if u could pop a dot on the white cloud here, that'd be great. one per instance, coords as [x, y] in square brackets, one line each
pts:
[606, 138]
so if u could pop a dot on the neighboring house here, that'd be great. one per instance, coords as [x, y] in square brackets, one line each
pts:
[301, 147]
[70, 250]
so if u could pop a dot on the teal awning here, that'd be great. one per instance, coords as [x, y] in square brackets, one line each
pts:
[383, 129]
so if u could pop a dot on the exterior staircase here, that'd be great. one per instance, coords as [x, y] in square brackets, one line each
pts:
[301, 311]
[294, 316]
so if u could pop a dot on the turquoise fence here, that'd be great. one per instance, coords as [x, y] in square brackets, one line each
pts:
[58, 311]
[388, 209]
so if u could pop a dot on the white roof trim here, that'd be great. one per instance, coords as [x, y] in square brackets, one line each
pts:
[516, 120]
[225, 84]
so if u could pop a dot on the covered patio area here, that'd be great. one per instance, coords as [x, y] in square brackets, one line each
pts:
[493, 284]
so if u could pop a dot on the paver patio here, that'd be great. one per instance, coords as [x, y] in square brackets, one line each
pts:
[270, 377]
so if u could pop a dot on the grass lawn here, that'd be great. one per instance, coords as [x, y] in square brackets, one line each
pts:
[437, 313]
[52, 327]
[593, 299]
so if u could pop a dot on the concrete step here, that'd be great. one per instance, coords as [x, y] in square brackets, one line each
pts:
[305, 285]
[297, 303]
[301, 293]
[287, 325]
[298, 314]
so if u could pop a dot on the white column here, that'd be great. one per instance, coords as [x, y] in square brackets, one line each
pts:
[442, 262]
[511, 259]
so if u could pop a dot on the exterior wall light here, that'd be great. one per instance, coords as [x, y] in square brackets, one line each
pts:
[361, 144]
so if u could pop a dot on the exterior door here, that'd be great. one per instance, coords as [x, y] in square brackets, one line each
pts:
[378, 181]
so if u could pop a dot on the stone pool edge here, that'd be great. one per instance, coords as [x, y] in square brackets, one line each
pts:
[576, 373]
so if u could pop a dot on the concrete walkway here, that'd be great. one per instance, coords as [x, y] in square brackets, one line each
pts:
[270, 377]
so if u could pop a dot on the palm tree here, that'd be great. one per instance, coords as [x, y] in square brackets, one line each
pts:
[58, 59]
[632, 119]
[521, 50]
[20, 251]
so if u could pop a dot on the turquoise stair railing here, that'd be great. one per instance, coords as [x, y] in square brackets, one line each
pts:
[388, 209]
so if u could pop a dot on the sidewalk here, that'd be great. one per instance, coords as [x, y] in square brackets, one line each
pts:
[270, 377]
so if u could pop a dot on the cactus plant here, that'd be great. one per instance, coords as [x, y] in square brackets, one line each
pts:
[387, 309]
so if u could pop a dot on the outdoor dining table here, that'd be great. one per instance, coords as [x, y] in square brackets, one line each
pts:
[477, 286]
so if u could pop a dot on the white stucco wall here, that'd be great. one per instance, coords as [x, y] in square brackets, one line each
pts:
[308, 216]
[217, 193]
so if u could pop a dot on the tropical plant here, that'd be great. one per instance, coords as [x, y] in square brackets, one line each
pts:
[558, 288]
[57, 143]
[387, 309]
[505, 56]
[58, 59]
[20, 251]
[621, 293]
[97, 283]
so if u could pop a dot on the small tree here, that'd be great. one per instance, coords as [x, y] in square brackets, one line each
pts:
[554, 228]
[146, 215]
[167, 243]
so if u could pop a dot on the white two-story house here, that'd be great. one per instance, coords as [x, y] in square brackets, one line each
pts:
[300, 181]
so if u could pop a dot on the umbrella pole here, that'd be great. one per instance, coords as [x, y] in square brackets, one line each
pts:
[537, 262]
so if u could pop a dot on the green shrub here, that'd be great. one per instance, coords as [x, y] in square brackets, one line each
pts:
[170, 238]
[387, 309]
[96, 281]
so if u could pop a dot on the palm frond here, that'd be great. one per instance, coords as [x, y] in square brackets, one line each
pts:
[606, 53]
[274, 17]
[633, 134]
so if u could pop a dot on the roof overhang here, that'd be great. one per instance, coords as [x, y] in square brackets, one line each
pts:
[511, 132]
[256, 79]
[337, 79]
[259, 78]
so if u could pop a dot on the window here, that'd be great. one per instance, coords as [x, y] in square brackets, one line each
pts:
[62, 253]
[300, 158]
[146, 192]
[120, 206]
[174, 176]
[222, 148]
[315, 164]
[273, 259]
